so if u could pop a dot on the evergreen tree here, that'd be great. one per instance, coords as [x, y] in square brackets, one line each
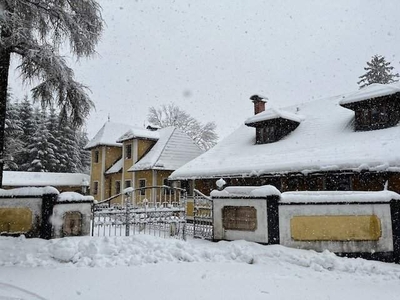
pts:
[52, 125]
[13, 132]
[378, 71]
[40, 151]
[28, 126]
[68, 150]
[84, 155]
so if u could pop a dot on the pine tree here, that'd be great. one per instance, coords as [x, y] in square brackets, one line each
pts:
[42, 153]
[52, 125]
[13, 132]
[69, 149]
[28, 126]
[84, 155]
[378, 71]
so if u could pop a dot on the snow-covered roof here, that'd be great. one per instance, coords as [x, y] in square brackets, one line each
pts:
[371, 91]
[324, 140]
[29, 191]
[115, 168]
[173, 149]
[273, 113]
[133, 133]
[108, 135]
[15, 178]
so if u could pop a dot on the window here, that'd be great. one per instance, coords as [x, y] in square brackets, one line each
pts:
[127, 184]
[96, 156]
[338, 183]
[364, 117]
[168, 183]
[267, 134]
[117, 187]
[187, 185]
[295, 184]
[95, 187]
[142, 185]
[128, 151]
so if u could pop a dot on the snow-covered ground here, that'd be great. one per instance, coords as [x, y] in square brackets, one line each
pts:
[146, 267]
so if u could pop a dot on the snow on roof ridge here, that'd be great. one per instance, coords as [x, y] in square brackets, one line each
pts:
[166, 143]
[137, 132]
[273, 113]
[108, 134]
[371, 91]
[174, 149]
[158, 155]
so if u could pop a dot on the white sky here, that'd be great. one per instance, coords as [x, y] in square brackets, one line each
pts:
[210, 56]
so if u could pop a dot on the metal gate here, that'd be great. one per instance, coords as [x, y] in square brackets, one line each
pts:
[155, 210]
[202, 216]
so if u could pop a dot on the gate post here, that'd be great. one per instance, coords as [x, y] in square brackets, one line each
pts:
[127, 216]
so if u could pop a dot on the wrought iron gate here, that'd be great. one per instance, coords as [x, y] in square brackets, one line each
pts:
[202, 216]
[155, 210]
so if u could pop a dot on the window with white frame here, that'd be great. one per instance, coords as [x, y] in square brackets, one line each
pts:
[95, 187]
[142, 185]
[117, 186]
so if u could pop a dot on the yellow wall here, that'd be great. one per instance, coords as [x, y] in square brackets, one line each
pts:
[335, 228]
[15, 220]
[128, 163]
[113, 154]
[143, 147]
[95, 174]
[112, 178]
[148, 176]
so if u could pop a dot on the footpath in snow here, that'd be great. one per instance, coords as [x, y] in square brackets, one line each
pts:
[118, 267]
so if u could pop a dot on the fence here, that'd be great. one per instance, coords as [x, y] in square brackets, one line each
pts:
[155, 210]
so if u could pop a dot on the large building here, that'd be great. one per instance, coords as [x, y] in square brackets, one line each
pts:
[348, 142]
[124, 156]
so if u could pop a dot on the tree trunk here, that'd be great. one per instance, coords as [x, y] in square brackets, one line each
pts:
[5, 56]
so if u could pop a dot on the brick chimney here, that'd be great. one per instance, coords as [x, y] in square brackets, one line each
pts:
[259, 103]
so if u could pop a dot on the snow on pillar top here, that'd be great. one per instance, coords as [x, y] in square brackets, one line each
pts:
[259, 103]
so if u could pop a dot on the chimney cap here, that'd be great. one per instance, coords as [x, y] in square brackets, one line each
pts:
[256, 98]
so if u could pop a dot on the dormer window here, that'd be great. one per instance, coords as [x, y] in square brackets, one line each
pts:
[375, 106]
[272, 124]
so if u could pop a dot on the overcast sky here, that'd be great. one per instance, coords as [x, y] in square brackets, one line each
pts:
[209, 56]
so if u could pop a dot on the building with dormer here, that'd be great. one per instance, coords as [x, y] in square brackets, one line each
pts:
[124, 156]
[347, 142]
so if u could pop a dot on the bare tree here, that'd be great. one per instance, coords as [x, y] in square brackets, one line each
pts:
[204, 135]
[34, 31]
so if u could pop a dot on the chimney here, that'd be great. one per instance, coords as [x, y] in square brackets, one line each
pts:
[259, 103]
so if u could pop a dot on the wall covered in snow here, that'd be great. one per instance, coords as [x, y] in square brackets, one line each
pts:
[363, 224]
[44, 213]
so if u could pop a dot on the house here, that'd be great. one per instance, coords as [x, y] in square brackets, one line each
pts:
[124, 156]
[63, 182]
[348, 142]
